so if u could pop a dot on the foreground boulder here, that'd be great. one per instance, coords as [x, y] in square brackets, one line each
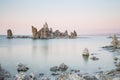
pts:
[9, 33]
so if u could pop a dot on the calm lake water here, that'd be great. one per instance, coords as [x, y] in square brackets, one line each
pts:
[40, 55]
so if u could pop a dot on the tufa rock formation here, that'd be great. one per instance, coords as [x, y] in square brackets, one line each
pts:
[9, 33]
[73, 34]
[34, 32]
[115, 43]
[47, 33]
[85, 52]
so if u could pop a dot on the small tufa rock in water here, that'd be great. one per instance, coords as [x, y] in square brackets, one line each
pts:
[22, 68]
[63, 67]
[85, 52]
[9, 33]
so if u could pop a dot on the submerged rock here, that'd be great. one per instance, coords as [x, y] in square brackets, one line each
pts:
[94, 58]
[9, 33]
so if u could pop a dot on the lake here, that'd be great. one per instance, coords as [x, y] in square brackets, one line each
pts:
[41, 54]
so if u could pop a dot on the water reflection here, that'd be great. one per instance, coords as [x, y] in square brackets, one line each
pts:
[40, 48]
[40, 55]
[85, 58]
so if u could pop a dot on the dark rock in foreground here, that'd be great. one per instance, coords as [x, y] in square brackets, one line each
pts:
[66, 75]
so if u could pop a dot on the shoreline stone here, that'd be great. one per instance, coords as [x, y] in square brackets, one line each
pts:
[113, 74]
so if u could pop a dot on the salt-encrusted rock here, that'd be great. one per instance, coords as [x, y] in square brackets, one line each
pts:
[85, 52]
[9, 33]
[22, 68]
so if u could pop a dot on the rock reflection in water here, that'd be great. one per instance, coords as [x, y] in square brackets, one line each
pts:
[85, 58]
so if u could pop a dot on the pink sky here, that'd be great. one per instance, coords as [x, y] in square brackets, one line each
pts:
[87, 17]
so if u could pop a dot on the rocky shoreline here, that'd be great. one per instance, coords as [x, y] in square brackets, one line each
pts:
[61, 72]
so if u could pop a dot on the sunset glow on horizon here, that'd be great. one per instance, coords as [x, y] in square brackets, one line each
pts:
[87, 17]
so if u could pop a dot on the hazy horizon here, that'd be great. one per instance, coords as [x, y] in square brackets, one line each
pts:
[87, 17]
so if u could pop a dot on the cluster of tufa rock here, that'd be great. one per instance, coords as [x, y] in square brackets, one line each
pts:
[46, 33]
